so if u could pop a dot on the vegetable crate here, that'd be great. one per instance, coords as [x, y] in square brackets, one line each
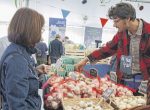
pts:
[86, 103]
[127, 102]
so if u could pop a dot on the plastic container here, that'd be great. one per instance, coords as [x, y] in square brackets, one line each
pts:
[69, 68]
[67, 60]
[61, 73]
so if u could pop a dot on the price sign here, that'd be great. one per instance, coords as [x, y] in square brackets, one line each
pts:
[73, 75]
[93, 72]
[143, 87]
[58, 63]
[107, 93]
[125, 64]
[113, 76]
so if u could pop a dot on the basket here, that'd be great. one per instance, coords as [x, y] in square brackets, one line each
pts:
[76, 102]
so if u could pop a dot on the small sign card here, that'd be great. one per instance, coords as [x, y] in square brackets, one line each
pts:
[113, 76]
[93, 72]
[107, 93]
[58, 63]
[143, 87]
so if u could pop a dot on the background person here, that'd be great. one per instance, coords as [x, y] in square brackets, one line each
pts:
[3, 45]
[147, 106]
[56, 49]
[66, 40]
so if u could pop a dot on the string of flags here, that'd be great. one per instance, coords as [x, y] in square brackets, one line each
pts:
[103, 21]
[65, 13]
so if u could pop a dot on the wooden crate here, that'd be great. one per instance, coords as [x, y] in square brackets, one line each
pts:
[116, 105]
[104, 61]
[75, 102]
[75, 53]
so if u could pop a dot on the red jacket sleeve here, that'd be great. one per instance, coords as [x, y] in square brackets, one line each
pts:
[106, 51]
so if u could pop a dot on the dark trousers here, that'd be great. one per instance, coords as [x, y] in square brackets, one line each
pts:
[54, 59]
[133, 81]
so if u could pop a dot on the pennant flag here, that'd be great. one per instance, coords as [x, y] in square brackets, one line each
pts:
[65, 13]
[103, 21]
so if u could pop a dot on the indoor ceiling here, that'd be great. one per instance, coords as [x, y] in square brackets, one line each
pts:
[93, 10]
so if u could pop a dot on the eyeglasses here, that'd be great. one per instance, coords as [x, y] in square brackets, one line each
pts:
[116, 20]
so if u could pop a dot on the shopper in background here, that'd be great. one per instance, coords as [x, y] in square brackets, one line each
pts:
[41, 54]
[131, 44]
[56, 49]
[66, 40]
[19, 76]
[3, 45]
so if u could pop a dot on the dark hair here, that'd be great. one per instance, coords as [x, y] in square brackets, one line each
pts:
[66, 37]
[122, 11]
[25, 27]
[57, 36]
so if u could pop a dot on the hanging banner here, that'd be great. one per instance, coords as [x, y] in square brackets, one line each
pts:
[103, 21]
[65, 13]
[56, 26]
[92, 34]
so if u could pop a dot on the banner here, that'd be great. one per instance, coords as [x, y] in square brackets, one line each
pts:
[56, 26]
[65, 13]
[92, 34]
[103, 21]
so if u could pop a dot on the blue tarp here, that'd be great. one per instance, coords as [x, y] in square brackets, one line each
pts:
[102, 69]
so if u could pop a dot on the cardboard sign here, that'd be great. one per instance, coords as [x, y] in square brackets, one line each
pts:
[93, 72]
[113, 76]
[107, 93]
[143, 87]
[58, 63]
[73, 75]
[125, 64]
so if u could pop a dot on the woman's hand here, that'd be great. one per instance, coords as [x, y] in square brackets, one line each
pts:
[79, 66]
[42, 69]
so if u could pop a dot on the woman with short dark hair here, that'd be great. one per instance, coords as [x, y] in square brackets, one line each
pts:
[19, 76]
[25, 27]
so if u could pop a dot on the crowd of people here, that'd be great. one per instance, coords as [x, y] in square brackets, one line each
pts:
[19, 73]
